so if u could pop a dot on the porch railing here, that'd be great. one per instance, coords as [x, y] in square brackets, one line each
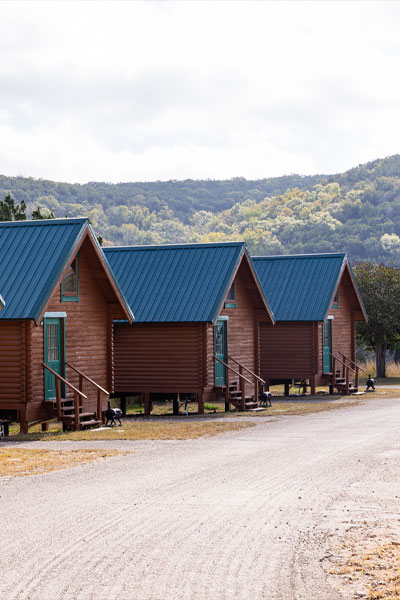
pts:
[77, 394]
[242, 380]
[346, 368]
[257, 378]
[100, 390]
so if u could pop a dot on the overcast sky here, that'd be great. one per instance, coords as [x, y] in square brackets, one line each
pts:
[127, 91]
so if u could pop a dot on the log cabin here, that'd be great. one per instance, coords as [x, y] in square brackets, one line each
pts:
[56, 326]
[197, 313]
[316, 303]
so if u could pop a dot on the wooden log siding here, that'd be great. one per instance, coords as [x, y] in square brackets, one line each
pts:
[86, 338]
[286, 350]
[241, 335]
[12, 363]
[157, 357]
[343, 331]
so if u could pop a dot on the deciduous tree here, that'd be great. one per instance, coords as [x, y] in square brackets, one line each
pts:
[380, 289]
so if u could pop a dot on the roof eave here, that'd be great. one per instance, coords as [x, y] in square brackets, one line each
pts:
[40, 309]
[260, 289]
[111, 277]
[346, 265]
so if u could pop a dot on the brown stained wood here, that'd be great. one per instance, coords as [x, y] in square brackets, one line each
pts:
[12, 363]
[294, 350]
[286, 350]
[88, 342]
[158, 357]
[241, 331]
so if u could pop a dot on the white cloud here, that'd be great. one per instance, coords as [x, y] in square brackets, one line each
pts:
[121, 91]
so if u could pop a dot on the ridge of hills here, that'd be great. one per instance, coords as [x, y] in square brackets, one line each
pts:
[357, 211]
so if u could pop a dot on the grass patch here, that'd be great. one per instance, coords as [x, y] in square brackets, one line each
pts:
[392, 371]
[141, 430]
[373, 568]
[20, 462]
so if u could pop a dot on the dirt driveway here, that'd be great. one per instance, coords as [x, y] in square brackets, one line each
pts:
[247, 515]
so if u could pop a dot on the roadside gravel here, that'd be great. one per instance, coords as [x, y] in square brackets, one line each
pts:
[246, 515]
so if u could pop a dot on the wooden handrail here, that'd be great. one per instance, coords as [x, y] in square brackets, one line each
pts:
[246, 369]
[352, 361]
[87, 378]
[236, 372]
[64, 380]
[344, 364]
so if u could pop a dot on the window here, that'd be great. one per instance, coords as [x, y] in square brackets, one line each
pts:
[70, 283]
[335, 303]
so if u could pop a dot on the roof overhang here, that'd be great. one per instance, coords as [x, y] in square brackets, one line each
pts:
[86, 232]
[245, 257]
[346, 268]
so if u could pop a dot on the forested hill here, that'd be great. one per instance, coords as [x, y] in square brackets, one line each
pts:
[357, 211]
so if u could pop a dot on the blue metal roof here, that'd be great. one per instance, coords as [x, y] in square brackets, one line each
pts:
[176, 283]
[33, 255]
[300, 288]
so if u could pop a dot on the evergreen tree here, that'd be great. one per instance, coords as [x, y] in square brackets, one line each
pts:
[9, 211]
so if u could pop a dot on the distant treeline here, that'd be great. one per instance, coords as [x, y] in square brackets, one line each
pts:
[357, 212]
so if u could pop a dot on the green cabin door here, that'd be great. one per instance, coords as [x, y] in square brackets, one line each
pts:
[327, 346]
[53, 354]
[220, 346]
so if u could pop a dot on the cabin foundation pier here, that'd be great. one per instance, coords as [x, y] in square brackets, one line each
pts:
[175, 405]
[200, 404]
[147, 405]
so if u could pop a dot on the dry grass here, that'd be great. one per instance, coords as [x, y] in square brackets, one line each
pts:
[392, 370]
[142, 430]
[20, 462]
[370, 567]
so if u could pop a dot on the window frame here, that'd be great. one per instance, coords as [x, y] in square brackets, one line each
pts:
[71, 296]
[335, 301]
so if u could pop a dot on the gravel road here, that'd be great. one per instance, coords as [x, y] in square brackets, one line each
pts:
[246, 515]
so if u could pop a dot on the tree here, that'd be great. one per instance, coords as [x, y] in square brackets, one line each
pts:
[38, 214]
[380, 289]
[9, 211]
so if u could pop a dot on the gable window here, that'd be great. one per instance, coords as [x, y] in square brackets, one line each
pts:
[230, 301]
[70, 283]
[335, 303]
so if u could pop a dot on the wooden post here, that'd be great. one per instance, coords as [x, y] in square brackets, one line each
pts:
[147, 404]
[200, 403]
[122, 404]
[266, 387]
[333, 370]
[23, 425]
[347, 380]
[81, 390]
[242, 389]
[175, 405]
[227, 392]
[45, 426]
[256, 386]
[343, 366]
[76, 411]
[99, 406]
[356, 381]
[313, 388]
[58, 398]
[287, 388]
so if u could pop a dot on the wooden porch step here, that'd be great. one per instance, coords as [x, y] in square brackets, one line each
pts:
[91, 423]
[80, 415]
